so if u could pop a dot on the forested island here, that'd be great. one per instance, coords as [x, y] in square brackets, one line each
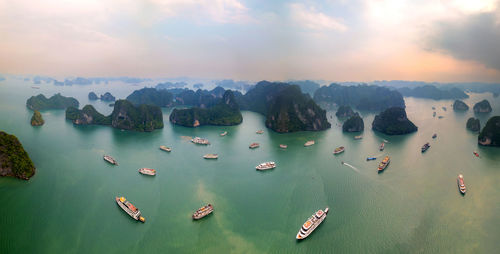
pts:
[490, 135]
[432, 92]
[473, 124]
[459, 105]
[151, 96]
[482, 107]
[57, 101]
[393, 121]
[104, 97]
[362, 97]
[225, 112]
[354, 124]
[14, 160]
[37, 119]
[93, 96]
[124, 116]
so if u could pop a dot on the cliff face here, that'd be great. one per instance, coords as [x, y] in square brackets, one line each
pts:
[473, 124]
[88, 115]
[482, 107]
[353, 124]
[14, 160]
[344, 111]
[226, 112]
[57, 101]
[141, 118]
[490, 135]
[37, 119]
[362, 97]
[459, 105]
[291, 111]
[393, 121]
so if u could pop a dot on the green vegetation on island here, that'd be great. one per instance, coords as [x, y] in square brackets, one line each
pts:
[37, 119]
[125, 116]
[362, 97]
[344, 111]
[93, 96]
[57, 101]
[482, 107]
[490, 135]
[432, 92]
[225, 112]
[107, 97]
[473, 124]
[459, 105]
[393, 121]
[14, 160]
[199, 98]
[151, 96]
[353, 124]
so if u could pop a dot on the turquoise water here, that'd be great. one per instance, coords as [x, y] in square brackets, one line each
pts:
[412, 207]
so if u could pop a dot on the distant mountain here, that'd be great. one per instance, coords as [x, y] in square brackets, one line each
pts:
[151, 96]
[393, 121]
[306, 86]
[432, 92]
[362, 97]
[57, 101]
[170, 85]
[234, 85]
[200, 98]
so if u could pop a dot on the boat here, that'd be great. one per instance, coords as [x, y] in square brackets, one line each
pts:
[259, 132]
[382, 146]
[211, 156]
[435, 135]
[461, 184]
[370, 158]
[433, 108]
[283, 146]
[147, 171]
[266, 165]
[425, 147]
[338, 150]
[385, 141]
[35, 87]
[434, 114]
[358, 137]
[309, 143]
[476, 154]
[223, 134]
[440, 117]
[129, 208]
[203, 211]
[253, 145]
[200, 141]
[384, 163]
[166, 149]
[110, 159]
[444, 108]
[311, 224]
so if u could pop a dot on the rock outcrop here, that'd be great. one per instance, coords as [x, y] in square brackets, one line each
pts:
[393, 121]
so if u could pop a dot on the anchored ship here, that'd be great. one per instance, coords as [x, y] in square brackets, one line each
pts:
[253, 145]
[371, 158]
[266, 165]
[223, 134]
[444, 108]
[382, 146]
[338, 150]
[358, 137]
[200, 141]
[147, 171]
[425, 147]
[309, 143]
[476, 154]
[211, 156]
[129, 208]
[259, 132]
[166, 149]
[283, 146]
[203, 211]
[384, 163]
[110, 159]
[461, 184]
[312, 223]
[435, 135]
[434, 114]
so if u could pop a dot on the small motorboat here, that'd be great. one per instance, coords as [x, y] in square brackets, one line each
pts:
[476, 154]
[371, 158]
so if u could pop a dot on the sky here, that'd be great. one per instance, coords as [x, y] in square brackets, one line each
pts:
[338, 40]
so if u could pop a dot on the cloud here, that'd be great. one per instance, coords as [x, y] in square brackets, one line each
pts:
[474, 37]
[310, 18]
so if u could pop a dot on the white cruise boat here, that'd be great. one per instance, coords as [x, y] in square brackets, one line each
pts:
[309, 143]
[201, 141]
[266, 165]
[312, 223]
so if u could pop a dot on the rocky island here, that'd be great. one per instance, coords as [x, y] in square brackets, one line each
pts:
[432, 92]
[393, 121]
[107, 97]
[57, 101]
[93, 96]
[362, 97]
[490, 135]
[226, 112]
[459, 105]
[344, 111]
[125, 116]
[151, 96]
[353, 124]
[37, 119]
[14, 160]
[482, 107]
[473, 124]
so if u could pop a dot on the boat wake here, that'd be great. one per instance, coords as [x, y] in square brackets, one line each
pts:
[351, 166]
